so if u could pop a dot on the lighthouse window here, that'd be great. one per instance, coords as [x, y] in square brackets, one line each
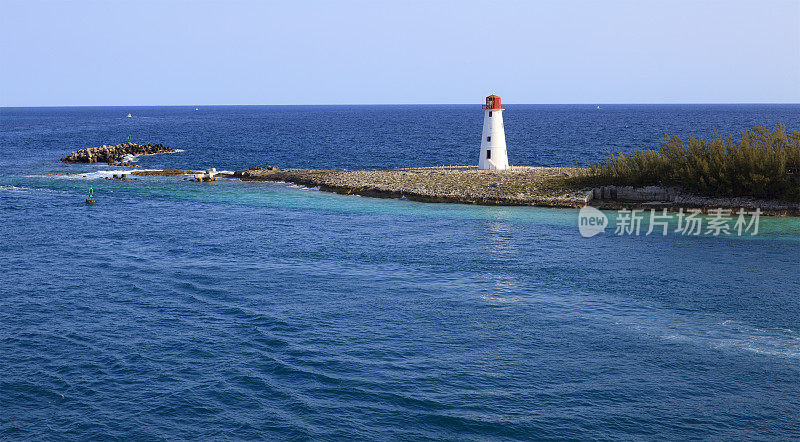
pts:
[490, 113]
[488, 154]
[489, 138]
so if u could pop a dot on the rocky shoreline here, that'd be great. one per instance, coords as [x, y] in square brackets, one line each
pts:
[534, 186]
[115, 155]
[518, 186]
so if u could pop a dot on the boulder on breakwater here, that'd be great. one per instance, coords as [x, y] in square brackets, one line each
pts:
[114, 155]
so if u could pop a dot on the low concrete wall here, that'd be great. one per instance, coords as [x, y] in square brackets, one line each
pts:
[635, 194]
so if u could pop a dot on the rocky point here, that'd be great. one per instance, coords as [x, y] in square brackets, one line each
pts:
[114, 155]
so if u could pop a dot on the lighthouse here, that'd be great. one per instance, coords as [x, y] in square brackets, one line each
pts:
[493, 144]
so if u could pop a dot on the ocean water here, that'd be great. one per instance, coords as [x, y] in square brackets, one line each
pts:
[242, 310]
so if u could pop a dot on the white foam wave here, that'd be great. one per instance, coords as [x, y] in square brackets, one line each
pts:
[681, 327]
[724, 335]
[768, 341]
[11, 188]
[298, 186]
[134, 158]
[100, 174]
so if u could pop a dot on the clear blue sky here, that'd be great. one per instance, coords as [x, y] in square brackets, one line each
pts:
[345, 52]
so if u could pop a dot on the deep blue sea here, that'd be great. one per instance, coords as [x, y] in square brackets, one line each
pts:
[249, 310]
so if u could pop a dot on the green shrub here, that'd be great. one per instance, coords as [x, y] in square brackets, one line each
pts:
[761, 164]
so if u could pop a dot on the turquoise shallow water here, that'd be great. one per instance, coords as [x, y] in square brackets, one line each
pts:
[172, 309]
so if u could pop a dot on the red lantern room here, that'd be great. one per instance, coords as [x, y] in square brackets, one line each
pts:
[492, 102]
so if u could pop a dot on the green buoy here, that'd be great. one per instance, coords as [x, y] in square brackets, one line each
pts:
[90, 200]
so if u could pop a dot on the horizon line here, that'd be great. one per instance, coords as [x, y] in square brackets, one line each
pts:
[397, 104]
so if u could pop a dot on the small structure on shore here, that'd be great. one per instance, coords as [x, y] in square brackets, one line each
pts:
[209, 175]
[493, 154]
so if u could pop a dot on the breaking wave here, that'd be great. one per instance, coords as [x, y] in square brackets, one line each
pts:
[99, 174]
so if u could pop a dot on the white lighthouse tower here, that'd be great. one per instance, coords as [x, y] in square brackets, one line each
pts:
[493, 144]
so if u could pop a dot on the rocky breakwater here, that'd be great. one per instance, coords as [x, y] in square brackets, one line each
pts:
[528, 186]
[518, 186]
[115, 155]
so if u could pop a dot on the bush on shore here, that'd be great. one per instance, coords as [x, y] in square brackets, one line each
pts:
[761, 164]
